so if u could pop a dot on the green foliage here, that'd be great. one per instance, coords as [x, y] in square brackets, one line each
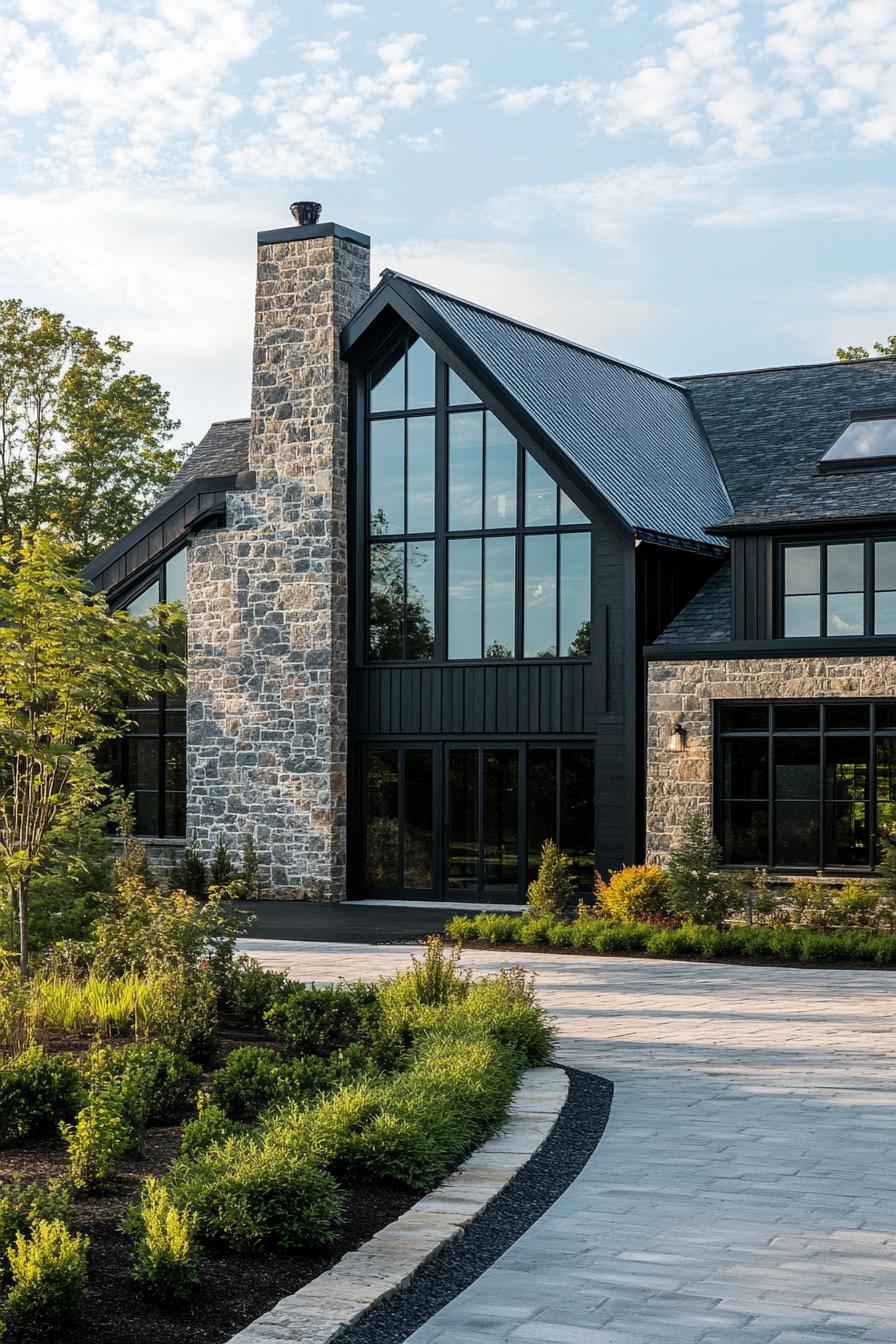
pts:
[221, 870]
[162, 1083]
[16, 1017]
[211, 1126]
[190, 875]
[151, 932]
[65, 894]
[640, 891]
[552, 892]
[183, 1011]
[67, 664]
[250, 871]
[248, 1082]
[251, 991]
[433, 980]
[99, 1136]
[22, 1206]
[37, 1090]
[109, 1005]
[247, 1194]
[49, 1277]
[848, 354]
[166, 1257]
[319, 1021]
[697, 891]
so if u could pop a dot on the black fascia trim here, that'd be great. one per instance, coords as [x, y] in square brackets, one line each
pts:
[127, 585]
[884, 646]
[298, 234]
[413, 309]
[201, 485]
[783, 526]
[667, 541]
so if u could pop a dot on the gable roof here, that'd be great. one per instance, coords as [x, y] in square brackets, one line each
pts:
[630, 437]
[223, 450]
[769, 428]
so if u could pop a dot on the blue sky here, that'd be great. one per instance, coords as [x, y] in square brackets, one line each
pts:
[693, 186]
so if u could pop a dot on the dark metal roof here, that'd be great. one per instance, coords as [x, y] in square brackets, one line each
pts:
[631, 435]
[707, 617]
[222, 451]
[769, 428]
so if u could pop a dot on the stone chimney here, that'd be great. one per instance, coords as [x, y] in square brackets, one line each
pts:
[268, 596]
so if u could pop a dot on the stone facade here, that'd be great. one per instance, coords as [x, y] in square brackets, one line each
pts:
[679, 783]
[268, 630]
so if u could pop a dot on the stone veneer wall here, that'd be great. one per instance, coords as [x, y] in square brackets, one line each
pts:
[679, 783]
[267, 597]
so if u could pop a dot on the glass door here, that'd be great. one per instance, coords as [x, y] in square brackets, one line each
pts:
[398, 850]
[483, 821]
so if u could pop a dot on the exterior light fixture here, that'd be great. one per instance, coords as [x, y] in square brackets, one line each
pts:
[677, 738]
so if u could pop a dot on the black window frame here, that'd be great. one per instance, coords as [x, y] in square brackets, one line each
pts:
[770, 734]
[868, 540]
[881, 462]
[442, 535]
[117, 758]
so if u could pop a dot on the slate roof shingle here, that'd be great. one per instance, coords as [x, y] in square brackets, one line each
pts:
[769, 427]
[707, 617]
[222, 451]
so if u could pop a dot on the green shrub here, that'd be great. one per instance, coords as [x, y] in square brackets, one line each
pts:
[190, 875]
[251, 991]
[211, 1126]
[697, 891]
[95, 1142]
[164, 1082]
[37, 1090]
[247, 1194]
[183, 1011]
[318, 1021]
[857, 905]
[166, 1257]
[461, 928]
[552, 892]
[638, 892]
[501, 1008]
[532, 930]
[248, 1082]
[23, 1205]
[49, 1277]
[430, 981]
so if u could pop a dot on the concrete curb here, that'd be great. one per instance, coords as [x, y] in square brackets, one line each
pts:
[336, 1299]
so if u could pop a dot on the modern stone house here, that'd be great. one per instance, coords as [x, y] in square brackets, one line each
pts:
[458, 585]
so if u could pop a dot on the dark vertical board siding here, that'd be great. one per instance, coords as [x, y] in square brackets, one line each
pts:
[752, 587]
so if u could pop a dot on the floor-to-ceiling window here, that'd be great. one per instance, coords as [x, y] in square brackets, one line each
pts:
[806, 785]
[150, 761]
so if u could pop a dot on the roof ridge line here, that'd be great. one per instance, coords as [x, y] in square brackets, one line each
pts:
[682, 378]
[538, 331]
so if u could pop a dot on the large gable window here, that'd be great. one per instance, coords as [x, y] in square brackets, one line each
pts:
[869, 440]
[474, 551]
[838, 589]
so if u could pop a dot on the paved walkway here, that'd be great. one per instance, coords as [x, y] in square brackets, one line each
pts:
[745, 1189]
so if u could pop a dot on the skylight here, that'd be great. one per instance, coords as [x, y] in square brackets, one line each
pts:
[869, 440]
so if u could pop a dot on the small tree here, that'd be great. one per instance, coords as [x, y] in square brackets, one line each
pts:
[66, 665]
[697, 890]
[552, 892]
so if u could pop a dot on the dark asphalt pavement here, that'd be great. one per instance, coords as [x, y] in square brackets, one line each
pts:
[351, 922]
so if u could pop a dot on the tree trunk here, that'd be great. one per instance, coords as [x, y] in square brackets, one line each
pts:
[22, 898]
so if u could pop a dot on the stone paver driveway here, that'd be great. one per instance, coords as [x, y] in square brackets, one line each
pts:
[745, 1189]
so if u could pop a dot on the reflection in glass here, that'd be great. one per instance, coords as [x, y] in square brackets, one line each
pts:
[577, 812]
[421, 473]
[796, 833]
[846, 793]
[382, 819]
[463, 820]
[420, 600]
[864, 440]
[885, 773]
[499, 819]
[541, 804]
[176, 577]
[465, 598]
[387, 384]
[846, 614]
[575, 594]
[745, 767]
[418, 820]
[500, 474]
[175, 786]
[743, 718]
[570, 513]
[797, 718]
[386, 615]
[541, 496]
[802, 569]
[802, 616]
[797, 767]
[885, 588]
[421, 375]
[458, 392]
[846, 567]
[145, 601]
[745, 832]
[386, 476]
[540, 594]
[465, 471]
[500, 596]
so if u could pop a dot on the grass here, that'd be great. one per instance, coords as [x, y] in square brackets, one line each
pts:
[587, 933]
[109, 1005]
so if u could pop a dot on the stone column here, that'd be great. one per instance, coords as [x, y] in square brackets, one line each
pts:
[268, 596]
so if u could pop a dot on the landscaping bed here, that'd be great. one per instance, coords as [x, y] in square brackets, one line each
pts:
[183, 1144]
[590, 933]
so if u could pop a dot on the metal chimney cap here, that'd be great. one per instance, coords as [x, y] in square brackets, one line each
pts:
[305, 212]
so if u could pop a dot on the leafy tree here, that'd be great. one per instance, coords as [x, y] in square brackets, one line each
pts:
[848, 354]
[66, 664]
[82, 439]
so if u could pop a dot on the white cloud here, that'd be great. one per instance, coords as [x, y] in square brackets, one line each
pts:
[425, 144]
[343, 11]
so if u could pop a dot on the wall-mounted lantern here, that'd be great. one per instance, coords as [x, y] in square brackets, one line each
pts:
[677, 738]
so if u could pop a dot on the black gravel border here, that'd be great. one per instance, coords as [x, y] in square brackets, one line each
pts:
[576, 1133]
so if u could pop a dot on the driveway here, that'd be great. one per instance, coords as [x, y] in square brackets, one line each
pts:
[745, 1189]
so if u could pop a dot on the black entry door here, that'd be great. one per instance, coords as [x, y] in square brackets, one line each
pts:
[484, 821]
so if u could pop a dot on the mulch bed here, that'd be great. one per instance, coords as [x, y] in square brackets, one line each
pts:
[235, 1289]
